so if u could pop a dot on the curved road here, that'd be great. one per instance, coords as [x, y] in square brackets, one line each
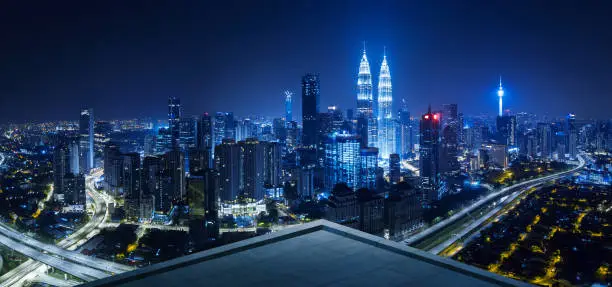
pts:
[491, 196]
[31, 268]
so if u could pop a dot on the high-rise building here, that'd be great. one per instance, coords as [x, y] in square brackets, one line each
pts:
[292, 136]
[163, 142]
[279, 128]
[205, 138]
[86, 134]
[368, 168]
[113, 169]
[572, 136]
[188, 132]
[174, 117]
[367, 126]
[394, 168]
[506, 129]
[342, 163]
[544, 138]
[203, 192]
[450, 138]
[288, 106]
[174, 163]
[404, 141]
[305, 182]
[74, 189]
[500, 94]
[310, 109]
[272, 164]
[429, 155]
[61, 167]
[131, 175]
[227, 163]
[224, 127]
[386, 123]
[252, 168]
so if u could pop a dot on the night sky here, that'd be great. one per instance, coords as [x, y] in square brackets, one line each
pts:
[124, 58]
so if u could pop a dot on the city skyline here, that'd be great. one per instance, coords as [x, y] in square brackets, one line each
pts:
[436, 61]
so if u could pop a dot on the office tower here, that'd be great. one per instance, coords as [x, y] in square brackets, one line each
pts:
[572, 135]
[113, 168]
[386, 123]
[544, 137]
[61, 167]
[450, 138]
[174, 162]
[342, 160]
[506, 129]
[227, 163]
[74, 155]
[131, 175]
[151, 172]
[74, 189]
[204, 132]
[272, 163]
[368, 168]
[405, 139]
[288, 106]
[174, 117]
[305, 182]
[149, 144]
[86, 134]
[279, 127]
[429, 155]
[188, 132]
[310, 109]
[367, 125]
[252, 168]
[292, 136]
[204, 141]
[394, 168]
[224, 127]
[500, 94]
[163, 141]
[203, 192]
[230, 126]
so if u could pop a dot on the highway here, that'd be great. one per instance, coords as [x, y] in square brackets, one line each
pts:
[490, 197]
[83, 272]
[31, 268]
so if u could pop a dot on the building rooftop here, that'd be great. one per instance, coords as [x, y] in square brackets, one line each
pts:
[319, 253]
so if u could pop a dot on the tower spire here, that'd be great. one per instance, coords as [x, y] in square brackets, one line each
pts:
[500, 94]
[364, 48]
[384, 52]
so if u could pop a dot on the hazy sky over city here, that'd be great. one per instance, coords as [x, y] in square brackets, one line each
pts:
[124, 58]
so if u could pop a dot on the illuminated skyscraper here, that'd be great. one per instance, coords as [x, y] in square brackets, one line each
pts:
[572, 136]
[227, 162]
[288, 106]
[429, 155]
[174, 117]
[310, 109]
[366, 121]
[405, 140]
[342, 162]
[500, 94]
[386, 124]
[86, 134]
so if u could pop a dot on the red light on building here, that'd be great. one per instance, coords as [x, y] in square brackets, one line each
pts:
[435, 116]
[426, 117]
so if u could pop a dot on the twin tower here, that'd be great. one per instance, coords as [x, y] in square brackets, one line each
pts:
[380, 124]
